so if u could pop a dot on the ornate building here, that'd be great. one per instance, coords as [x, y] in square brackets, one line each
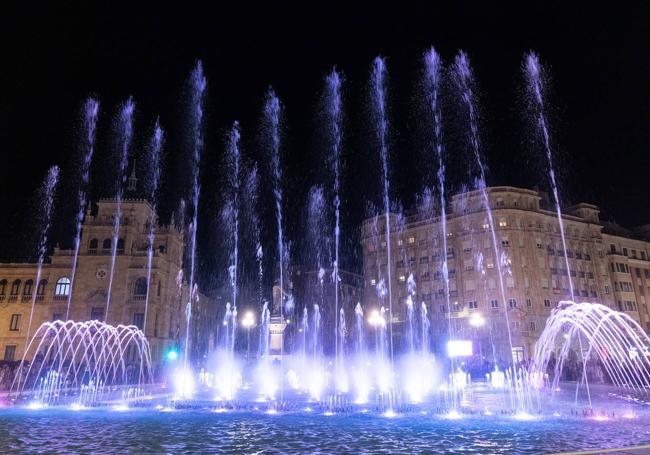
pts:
[605, 265]
[87, 296]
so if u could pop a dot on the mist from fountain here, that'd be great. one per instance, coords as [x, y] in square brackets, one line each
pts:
[123, 134]
[90, 113]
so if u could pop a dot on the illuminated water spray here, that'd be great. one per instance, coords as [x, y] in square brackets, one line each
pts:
[47, 198]
[124, 133]
[90, 113]
[198, 85]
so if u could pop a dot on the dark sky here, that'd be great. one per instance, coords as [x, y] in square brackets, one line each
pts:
[54, 56]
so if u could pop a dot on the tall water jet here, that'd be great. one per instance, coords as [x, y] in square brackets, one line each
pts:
[334, 129]
[432, 79]
[535, 78]
[464, 80]
[272, 113]
[231, 219]
[252, 196]
[358, 313]
[378, 109]
[155, 148]
[198, 85]
[90, 112]
[124, 133]
[318, 244]
[424, 320]
[47, 197]
[410, 312]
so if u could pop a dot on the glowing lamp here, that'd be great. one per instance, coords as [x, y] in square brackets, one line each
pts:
[171, 355]
[459, 348]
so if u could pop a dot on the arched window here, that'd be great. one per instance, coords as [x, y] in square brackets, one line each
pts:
[140, 287]
[92, 246]
[15, 286]
[41, 287]
[62, 287]
[3, 287]
[106, 245]
[27, 289]
[120, 246]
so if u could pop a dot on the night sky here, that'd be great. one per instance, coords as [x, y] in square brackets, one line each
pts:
[56, 56]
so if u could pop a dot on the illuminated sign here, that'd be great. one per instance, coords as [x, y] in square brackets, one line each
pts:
[459, 348]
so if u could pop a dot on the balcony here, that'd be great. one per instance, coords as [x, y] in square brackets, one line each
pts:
[26, 298]
[92, 251]
[13, 299]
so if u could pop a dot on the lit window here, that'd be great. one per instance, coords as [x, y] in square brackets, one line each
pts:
[486, 226]
[411, 240]
[490, 265]
[503, 223]
[373, 282]
[62, 286]
[400, 242]
[402, 278]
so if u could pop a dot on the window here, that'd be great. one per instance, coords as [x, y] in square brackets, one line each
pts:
[62, 287]
[646, 273]
[624, 251]
[138, 320]
[529, 303]
[155, 326]
[15, 287]
[120, 246]
[3, 286]
[14, 324]
[57, 317]
[641, 290]
[512, 303]
[27, 288]
[106, 245]
[503, 222]
[424, 260]
[400, 242]
[140, 288]
[41, 288]
[472, 305]
[10, 352]
[607, 290]
[97, 314]
[486, 226]
[159, 286]
[402, 278]
[532, 326]
[411, 240]
[494, 303]
[643, 255]
[92, 246]
[372, 283]
[505, 243]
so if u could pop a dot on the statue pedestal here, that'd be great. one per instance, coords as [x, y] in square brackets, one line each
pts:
[276, 329]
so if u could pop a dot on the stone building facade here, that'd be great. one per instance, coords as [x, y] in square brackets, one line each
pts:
[604, 267]
[87, 296]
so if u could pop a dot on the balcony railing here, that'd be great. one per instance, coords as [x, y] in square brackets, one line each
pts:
[13, 298]
[26, 298]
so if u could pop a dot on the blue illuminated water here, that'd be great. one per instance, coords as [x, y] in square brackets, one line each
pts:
[151, 431]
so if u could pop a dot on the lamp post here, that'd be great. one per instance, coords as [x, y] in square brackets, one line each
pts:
[248, 322]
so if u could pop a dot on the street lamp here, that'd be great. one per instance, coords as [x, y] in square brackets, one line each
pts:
[248, 322]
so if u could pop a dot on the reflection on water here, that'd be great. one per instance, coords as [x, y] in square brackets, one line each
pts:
[151, 431]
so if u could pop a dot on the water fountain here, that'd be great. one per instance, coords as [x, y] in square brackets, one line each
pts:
[369, 365]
